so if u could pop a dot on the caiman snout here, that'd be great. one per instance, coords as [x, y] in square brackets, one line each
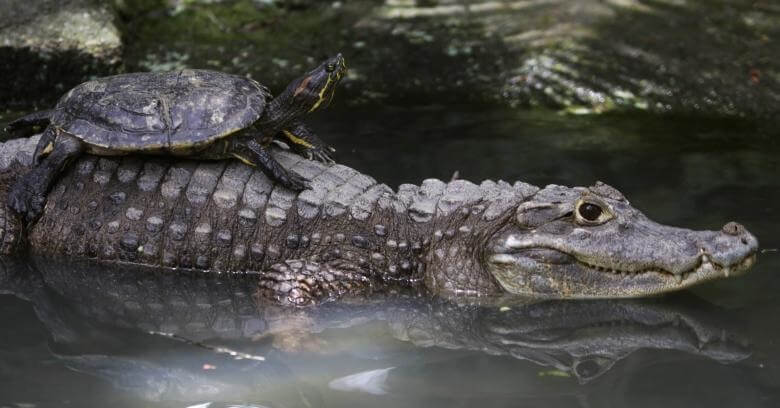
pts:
[734, 228]
[733, 249]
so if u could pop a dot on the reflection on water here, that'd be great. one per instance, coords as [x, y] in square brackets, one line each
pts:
[409, 348]
[85, 336]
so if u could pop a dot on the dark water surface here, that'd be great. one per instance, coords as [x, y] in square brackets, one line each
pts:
[76, 336]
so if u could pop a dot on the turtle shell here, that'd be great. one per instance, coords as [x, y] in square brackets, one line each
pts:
[158, 111]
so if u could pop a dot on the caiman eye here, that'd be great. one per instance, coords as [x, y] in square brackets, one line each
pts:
[330, 68]
[590, 212]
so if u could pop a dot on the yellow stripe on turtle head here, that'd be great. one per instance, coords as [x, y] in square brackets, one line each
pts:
[321, 95]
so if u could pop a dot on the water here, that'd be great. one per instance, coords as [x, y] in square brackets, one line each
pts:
[77, 336]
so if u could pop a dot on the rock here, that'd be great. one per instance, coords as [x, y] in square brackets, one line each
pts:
[46, 44]
[588, 56]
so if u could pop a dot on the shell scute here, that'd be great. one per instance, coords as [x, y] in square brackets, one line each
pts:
[155, 111]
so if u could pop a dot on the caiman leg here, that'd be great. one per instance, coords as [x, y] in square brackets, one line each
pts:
[29, 122]
[303, 283]
[304, 142]
[28, 195]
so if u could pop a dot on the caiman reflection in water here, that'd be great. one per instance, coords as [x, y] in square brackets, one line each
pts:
[102, 323]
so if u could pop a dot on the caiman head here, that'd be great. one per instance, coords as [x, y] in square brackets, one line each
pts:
[591, 243]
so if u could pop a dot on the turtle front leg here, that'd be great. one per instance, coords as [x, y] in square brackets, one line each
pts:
[253, 153]
[307, 144]
[28, 194]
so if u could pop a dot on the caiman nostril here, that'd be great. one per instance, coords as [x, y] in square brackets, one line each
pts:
[734, 228]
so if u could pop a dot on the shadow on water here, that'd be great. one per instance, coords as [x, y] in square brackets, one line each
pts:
[95, 331]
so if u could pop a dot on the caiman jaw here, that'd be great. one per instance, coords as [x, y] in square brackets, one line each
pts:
[590, 243]
[706, 269]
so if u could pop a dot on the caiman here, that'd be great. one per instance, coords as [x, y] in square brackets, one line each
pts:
[347, 233]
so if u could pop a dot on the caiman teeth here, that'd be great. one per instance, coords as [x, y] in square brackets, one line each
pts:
[624, 272]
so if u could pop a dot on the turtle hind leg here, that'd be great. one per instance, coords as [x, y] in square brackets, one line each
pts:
[26, 125]
[307, 144]
[28, 195]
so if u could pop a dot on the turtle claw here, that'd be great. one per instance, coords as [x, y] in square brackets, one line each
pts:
[26, 202]
[324, 158]
[294, 182]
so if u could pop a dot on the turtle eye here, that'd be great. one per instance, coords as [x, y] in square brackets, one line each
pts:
[330, 68]
[590, 213]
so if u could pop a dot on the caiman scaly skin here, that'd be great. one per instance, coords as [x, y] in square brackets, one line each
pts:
[349, 234]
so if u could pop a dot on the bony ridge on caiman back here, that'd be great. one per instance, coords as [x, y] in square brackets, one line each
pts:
[194, 113]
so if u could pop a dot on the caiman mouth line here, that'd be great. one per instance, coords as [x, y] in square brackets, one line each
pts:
[705, 264]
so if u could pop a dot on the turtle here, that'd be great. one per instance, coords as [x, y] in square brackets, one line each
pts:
[200, 114]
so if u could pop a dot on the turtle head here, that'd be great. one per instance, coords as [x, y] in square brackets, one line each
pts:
[315, 89]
